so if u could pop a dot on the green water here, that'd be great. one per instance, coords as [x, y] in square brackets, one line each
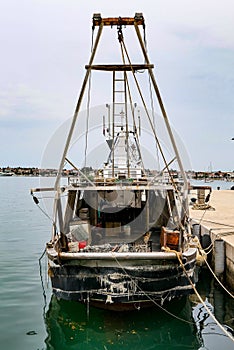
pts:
[69, 327]
[31, 320]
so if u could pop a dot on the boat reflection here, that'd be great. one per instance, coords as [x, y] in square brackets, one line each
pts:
[71, 326]
[211, 336]
[209, 333]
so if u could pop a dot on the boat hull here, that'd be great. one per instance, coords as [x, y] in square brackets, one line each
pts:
[122, 282]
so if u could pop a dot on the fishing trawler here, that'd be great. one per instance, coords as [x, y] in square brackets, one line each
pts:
[121, 236]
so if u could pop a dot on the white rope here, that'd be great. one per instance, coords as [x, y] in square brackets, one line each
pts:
[217, 223]
[200, 299]
[224, 233]
[226, 290]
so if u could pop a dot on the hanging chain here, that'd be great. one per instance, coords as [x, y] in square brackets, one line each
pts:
[119, 30]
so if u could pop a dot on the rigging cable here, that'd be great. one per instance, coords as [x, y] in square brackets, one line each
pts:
[36, 201]
[198, 295]
[87, 119]
[134, 125]
[120, 37]
[150, 121]
[131, 105]
[88, 105]
[42, 284]
[156, 138]
[185, 208]
[151, 96]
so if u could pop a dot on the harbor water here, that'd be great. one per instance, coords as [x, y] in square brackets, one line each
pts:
[31, 319]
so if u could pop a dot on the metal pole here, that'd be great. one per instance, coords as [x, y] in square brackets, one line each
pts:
[56, 185]
[78, 107]
[162, 107]
[113, 128]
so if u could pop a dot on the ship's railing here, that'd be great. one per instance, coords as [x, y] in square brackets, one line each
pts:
[100, 182]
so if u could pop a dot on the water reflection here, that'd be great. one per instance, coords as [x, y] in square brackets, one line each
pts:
[210, 334]
[69, 327]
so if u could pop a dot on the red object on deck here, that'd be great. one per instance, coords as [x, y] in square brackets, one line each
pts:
[82, 244]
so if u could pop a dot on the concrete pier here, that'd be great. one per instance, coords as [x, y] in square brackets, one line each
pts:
[218, 221]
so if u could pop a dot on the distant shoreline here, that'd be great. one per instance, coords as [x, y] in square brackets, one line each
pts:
[36, 172]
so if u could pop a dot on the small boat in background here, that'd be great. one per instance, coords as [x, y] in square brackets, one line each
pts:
[2, 173]
[121, 235]
[209, 176]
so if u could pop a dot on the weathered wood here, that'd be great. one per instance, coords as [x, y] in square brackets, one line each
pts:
[119, 67]
[115, 21]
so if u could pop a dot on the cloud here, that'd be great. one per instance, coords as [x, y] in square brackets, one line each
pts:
[22, 106]
[206, 23]
[45, 45]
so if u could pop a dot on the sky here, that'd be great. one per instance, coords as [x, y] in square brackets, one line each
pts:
[45, 45]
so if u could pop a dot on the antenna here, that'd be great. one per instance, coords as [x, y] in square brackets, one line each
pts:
[103, 125]
[109, 128]
[139, 122]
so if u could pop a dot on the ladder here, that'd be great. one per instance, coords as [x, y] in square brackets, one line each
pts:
[120, 114]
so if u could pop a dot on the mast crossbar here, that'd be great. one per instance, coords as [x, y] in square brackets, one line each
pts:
[120, 67]
[118, 21]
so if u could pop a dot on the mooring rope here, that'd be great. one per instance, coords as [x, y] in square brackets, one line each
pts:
[215, 222]
[42, 283]
[193, 286]
[212, 247]
[148, 296]
[203, 214]
[226, 290]
[199, 297]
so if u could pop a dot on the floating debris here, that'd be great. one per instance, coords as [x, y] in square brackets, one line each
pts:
[31, 333]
